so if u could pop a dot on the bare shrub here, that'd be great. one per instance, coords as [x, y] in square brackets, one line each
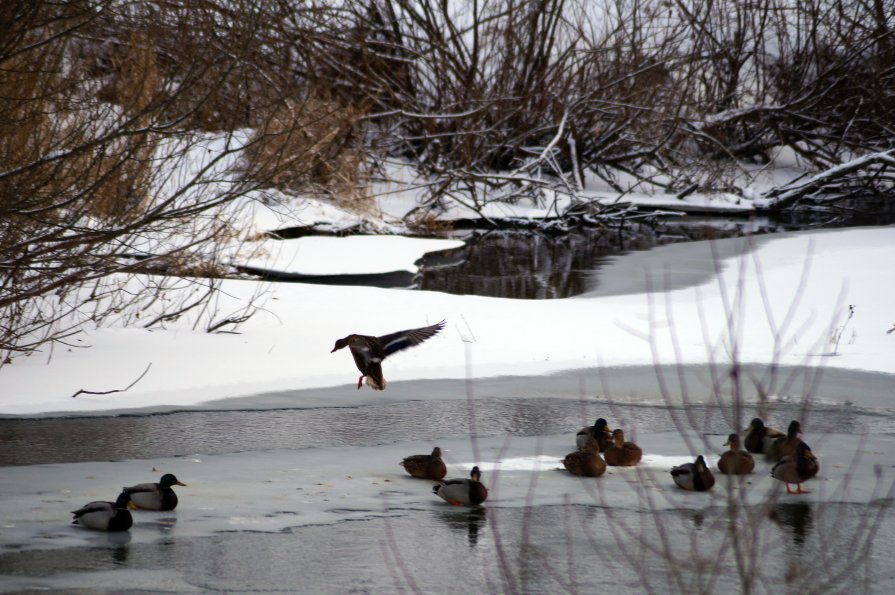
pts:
[313, 147]
[107, 162]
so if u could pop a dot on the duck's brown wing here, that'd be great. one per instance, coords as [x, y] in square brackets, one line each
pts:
[404, 339]
[417, 460]
[366, 350]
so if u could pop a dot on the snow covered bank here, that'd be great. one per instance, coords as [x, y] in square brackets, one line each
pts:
[787, 301]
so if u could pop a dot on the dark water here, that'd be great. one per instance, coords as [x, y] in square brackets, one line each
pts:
[549, 263]
[29, 442]
[551, 405]
[577, 549]
[529, 265]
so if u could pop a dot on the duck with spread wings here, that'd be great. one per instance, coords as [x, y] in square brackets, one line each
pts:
[369, 351]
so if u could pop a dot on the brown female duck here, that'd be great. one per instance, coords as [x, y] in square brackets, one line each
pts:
[735, 461]
[585, 461]
[797, 468]
[426, 466]
[368, 351]
[621, 453]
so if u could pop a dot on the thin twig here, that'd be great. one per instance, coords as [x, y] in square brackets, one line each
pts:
[117, 390]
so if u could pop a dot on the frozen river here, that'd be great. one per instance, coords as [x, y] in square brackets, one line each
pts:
[298, 491]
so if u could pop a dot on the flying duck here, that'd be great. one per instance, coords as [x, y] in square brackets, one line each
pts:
[695, 476]
[735, 461]
[426, 466]
[585, 461]
[796, 468]
[155, 496]
[105, 516]
[759, 438]
[785, 446]
[599, 432]
[463, 492]
[368, 352]
[621, 453]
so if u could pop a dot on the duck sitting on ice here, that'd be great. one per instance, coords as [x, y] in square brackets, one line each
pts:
[105, 516]
[463, 492]
[695, 476]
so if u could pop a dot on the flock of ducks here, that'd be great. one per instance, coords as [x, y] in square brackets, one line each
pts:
[116, 516]
[794, 463]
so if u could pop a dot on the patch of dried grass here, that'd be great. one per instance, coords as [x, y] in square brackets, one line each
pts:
[427, 224]
[312, 147]
[124, 170]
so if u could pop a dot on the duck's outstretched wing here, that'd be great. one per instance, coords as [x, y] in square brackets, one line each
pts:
[404, 339]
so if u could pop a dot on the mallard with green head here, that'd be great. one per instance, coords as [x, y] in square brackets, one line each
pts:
[599, 431]
[105, 516]
[155, 496]
[695, 476]
[735, 461]
[797, 468]
[759, 437]
[621, 453]
[426, 466]
[585, 461]
[463, 492]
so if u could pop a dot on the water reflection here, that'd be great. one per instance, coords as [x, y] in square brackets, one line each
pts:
[796, 517]
[119, 549]
[164, 525]
[531, 265]
[470, 521]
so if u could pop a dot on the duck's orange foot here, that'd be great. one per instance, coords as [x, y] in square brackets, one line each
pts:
[798, 490]
[360, 382]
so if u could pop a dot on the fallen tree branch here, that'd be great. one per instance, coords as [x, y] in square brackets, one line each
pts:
[783, 196]
[117, 390]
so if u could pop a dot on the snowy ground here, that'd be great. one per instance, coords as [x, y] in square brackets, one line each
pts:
[787, 301]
